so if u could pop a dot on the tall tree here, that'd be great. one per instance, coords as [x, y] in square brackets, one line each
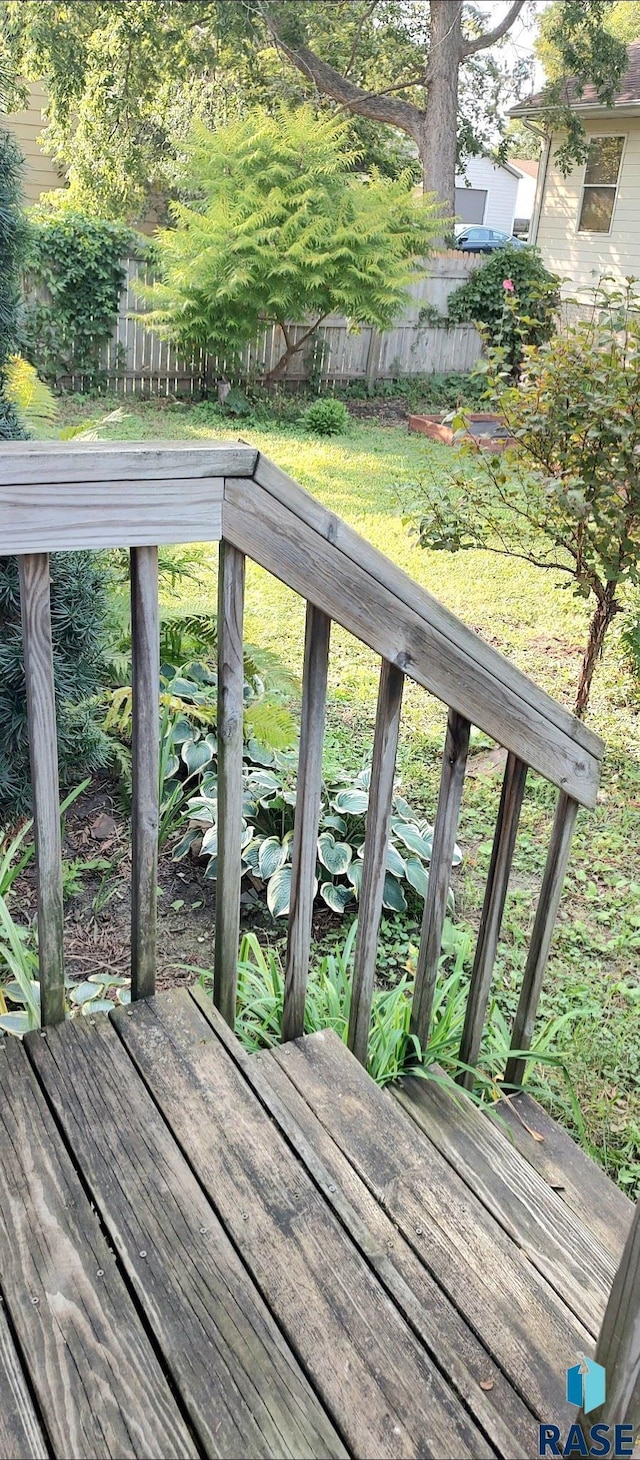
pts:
[126, 78]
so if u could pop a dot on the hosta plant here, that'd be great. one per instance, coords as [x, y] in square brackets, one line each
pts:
[268, 809]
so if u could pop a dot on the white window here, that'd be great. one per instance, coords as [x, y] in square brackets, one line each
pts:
[600, 184]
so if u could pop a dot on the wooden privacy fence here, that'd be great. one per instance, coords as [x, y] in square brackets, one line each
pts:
[137, 362]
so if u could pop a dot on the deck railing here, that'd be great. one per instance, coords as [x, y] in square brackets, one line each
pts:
[54, 497]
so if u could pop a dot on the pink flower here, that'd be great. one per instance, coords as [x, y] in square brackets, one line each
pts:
[509, 285]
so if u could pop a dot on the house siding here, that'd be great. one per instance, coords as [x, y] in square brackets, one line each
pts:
[582, 258]
[40, 173]
[502, 191]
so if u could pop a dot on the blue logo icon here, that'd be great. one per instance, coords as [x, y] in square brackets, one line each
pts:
[586, 1385]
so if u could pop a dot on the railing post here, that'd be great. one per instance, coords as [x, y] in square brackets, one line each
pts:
[454, 762]
[231, 572]
[385, 746]
[496, 891]
[35, 608]
[618, 1347]
[305, 838]
[145, 663]
[546, 911]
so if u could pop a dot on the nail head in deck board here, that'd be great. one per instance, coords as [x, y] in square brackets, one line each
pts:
[145, 665]
[307, 815]
[618, 1347]
[491, 920]
[522, 1323]
[230, 783]
[580, 1182]
[558, 1244]
[98, 1384]
[240, 1384]
[385, 747]
[371, 1373]
[538, 951]
[35, 608]
[21, 1435]
[454, 760]
[286, 546]
[463, 640]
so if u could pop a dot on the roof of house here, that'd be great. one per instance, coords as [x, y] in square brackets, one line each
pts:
[526, 165]
[627, 94]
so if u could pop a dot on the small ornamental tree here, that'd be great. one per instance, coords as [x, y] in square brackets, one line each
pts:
[566, 495]
[282, 229]
[77, 579]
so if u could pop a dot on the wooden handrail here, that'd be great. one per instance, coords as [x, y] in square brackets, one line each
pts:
[54, 497]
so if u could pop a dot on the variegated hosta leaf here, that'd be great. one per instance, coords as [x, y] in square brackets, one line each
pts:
[403, 809]
[17, 1024]
[395, 863]
[335, 856]
[363, 777]
[251, 854]
[417, 875]
[337, 898]
[271, 857]
[393, 897]
[279, 892]
[185, 844]
[353, 801]
[337, 823]
[84, 991]
[211, 871]
[457, 856]
[203, 809]
[181, 730]
[408, 833]
[172, 766]
[354, 874]
[210, 842]
[196, 754]
[259, 754]
[97, 1006]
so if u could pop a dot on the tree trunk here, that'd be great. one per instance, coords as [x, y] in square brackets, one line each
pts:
[605, 612]
[438, 141]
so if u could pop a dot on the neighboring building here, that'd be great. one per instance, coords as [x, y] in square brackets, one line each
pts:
[40, 173]
[487, 192]
[525, 201]
[586, 224]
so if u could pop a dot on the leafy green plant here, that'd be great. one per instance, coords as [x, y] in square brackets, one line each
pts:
[509, 276]
[283, 230]
[565, 496]
[327, 417]
[268, 807]
[76, 275]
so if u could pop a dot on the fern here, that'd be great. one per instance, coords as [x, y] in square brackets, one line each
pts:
[270, 723]
[30, 397]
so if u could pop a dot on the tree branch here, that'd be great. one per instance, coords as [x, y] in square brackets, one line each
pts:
[490, 37]
[394, 113]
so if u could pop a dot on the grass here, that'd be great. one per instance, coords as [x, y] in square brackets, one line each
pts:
[366, 477]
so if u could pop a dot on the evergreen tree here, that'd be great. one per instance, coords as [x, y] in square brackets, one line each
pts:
[78, 584]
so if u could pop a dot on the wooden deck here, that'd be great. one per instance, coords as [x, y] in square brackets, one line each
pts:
[210, 1253]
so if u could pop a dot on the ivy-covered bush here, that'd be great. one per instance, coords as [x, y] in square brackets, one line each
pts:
[513, 298]
[328, 417]
[76, 273]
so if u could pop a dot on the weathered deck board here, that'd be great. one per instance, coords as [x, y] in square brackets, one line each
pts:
[98, 1383]
[533, 1215]
[373, 1375]
[581, 1184]
[20, 1430]
[523, 1323]
[243, 1388]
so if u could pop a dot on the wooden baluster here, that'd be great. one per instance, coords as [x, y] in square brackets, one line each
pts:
[503, 844]
[35, 601]
[145, 659]
[231, 572]
[454, 762]
[305, 840]
[385, 746]
[546, 911]
[618, 1347]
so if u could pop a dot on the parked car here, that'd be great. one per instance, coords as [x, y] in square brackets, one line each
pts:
[472, 238]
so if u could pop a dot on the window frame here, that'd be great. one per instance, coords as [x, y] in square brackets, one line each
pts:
[601, 232]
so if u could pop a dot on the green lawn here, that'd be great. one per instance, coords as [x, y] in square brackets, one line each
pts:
[366, 477]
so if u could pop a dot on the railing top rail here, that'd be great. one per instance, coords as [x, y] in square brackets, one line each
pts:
[54, 496]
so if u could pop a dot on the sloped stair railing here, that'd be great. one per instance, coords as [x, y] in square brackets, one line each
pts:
[55, 498]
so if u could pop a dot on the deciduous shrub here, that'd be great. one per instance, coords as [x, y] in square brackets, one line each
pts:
[513, 297]
[327, 417]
